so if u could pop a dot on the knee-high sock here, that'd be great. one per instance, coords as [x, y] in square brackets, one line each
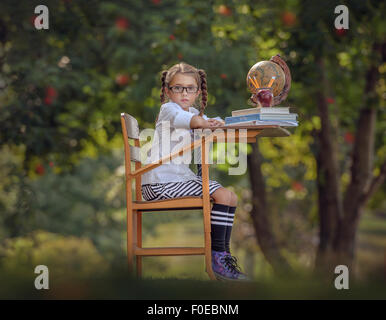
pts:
[231, 216]
[218, 224]
[199, 170]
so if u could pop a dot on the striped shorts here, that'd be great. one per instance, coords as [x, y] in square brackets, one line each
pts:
[171, 190]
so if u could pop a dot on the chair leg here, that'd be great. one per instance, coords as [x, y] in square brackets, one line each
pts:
[138, 223]
[206, 207]
[130, 242]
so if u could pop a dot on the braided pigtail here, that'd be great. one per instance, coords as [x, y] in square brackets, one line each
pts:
[163, 86]
[204, 92]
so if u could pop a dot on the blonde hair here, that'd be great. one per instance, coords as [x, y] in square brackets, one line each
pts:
[198, 74]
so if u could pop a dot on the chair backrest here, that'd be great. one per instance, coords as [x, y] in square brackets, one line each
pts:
[130, 130]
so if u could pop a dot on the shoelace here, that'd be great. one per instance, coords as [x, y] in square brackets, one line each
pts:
[231, 263]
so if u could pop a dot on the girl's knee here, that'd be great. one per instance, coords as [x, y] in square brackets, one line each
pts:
[225, 196]
[233, 202]
[221, 196]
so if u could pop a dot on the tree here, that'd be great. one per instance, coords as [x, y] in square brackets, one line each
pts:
[315, 44]
[61, 100]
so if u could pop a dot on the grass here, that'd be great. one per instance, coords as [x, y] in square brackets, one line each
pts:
[181, 278]
[371, 246]
[370, 255]
[118, 285]
[189, 233]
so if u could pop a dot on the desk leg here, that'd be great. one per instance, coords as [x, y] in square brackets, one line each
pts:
[206, 209]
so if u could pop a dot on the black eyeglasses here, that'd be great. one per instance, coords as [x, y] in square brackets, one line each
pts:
[180, 89]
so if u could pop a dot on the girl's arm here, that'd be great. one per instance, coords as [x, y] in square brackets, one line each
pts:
[199, 122]
[204, 121]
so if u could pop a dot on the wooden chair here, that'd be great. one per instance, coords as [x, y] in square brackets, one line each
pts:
[135, 208]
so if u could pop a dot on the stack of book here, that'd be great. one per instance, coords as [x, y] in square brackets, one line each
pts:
[263, 116]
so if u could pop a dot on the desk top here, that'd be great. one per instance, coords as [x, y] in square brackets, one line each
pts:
[261, 130]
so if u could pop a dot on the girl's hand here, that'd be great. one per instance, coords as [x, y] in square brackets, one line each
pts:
[215, 122]
[200, 122]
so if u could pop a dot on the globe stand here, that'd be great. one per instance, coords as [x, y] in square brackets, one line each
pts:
[287, 86]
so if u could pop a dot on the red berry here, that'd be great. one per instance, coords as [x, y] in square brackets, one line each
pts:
[223, 76]
[288, 18]
[297, 186]
[122, 23]
[156, 2]
[180, 56]
[39, 169]
[47, 100]
[340, 32]
[330, 100]
[51, 164]
[172, 37]
[32, 20]
[51, 92]
[122, 79]
[224, 10]
[349, 137]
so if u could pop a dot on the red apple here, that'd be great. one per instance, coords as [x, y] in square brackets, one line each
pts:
[264, 97]
[50, 96]
[122, 23]
[224, 10]
[349, 137]
[32, 20]
[48, 100]
[122, 79]
[288, 18]
[330, 100]
[297, 186]
[51, 92]
[340, 32]
[39, 169]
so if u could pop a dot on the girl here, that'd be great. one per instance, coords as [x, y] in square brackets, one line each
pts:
[182, 85]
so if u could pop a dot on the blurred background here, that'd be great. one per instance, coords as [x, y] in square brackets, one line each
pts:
[307, 203]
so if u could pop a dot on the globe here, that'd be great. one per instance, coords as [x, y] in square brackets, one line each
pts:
[263, 72]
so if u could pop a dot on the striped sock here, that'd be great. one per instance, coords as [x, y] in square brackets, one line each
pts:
[231, 216]
[199, 170]
[218, 226]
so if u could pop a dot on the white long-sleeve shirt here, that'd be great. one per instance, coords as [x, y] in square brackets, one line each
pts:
[177, 170]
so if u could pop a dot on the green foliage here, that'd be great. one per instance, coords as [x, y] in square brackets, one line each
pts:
[65, 257]
[87, 202]
[62, 91]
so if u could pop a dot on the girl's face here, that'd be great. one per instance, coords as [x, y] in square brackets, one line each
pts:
[185, 99]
